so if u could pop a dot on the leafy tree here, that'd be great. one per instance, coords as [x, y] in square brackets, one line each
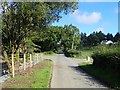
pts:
[83, 39]
[70, 37]
[101, 36]
[109, 37]
[20, 18]
[93, 40]
[54, 38]
[117, 37]
[48, 40]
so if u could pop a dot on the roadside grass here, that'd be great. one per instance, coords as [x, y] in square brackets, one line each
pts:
[49, 53]
[36, 77]
[109, 77]
[85, 54]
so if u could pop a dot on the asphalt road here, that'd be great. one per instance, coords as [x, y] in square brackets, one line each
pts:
[67, 74]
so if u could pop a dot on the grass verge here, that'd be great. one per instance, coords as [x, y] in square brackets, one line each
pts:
[49, 53]
[110, 78]
[36, 77]
[86, 53]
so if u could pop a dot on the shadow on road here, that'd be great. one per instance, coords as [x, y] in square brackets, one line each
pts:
[85, 74]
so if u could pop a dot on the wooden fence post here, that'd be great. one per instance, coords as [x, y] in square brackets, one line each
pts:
[30, 60]
[24, 61]
[88, 58]
[37, 57]
[13, 67]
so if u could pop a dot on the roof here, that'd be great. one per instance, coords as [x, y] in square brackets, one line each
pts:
[109, 42]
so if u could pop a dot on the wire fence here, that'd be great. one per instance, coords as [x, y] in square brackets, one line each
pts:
[24, 62]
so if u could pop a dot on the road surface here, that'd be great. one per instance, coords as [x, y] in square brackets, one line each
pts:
[67, 74]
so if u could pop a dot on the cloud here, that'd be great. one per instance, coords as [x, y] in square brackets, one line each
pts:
[85, 17]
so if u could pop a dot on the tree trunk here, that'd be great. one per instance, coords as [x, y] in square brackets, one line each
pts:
[6, 58]
[30, 60]
[73, 42]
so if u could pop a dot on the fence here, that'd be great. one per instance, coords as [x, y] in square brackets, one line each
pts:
[25, 61]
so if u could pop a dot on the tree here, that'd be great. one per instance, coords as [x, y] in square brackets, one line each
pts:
[109, 37]
[100, 35]
[20, 18]
[70, 37]
[83, 39]
[48, 40]
[93, 40]
[117, 37]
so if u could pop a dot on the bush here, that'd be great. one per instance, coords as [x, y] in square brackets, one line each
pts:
[72, 53]
[48, 52]
[107, 58]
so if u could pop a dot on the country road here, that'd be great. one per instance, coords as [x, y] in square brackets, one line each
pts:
[67, 74]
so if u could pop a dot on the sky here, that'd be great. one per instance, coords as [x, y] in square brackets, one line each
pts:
[93, 16]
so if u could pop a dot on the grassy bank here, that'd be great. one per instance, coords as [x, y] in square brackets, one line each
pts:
[82, 54]
[111, 78]
[36, 77]
[85, 54]
[49, 53]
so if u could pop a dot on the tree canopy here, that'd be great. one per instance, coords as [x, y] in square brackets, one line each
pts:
[19, 18]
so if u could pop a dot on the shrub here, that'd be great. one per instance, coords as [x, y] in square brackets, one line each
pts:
[72, 53]
[107, 58]
[48, 52]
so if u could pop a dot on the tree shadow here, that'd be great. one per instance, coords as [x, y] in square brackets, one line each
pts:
[86, 75]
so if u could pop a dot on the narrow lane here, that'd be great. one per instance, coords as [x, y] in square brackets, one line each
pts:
[67, 74]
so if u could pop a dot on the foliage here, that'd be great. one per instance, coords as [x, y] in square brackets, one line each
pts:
[20, 19]
[70, 37]
[88, 41]
[86, 53]
[72, 53]
[117, 37]
[107, 57]
[36, 77]
[108, 77]
[55, 38]
[49, 53]
[109, 37]
[48, 39]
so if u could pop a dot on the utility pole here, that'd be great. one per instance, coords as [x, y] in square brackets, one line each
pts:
[73, 41]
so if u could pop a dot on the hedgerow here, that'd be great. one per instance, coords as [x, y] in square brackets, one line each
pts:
[107, 58]
[72, 53]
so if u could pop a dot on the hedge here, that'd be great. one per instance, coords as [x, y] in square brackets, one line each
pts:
[107, 58]
[72, 53]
